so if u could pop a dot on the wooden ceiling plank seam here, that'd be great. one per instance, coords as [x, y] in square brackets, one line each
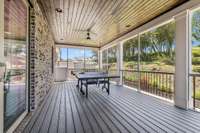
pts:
[70, 15]
[92, 10]
[131, 29]
[148, 4]
[62, 18]
[79, 15]
[82, 18]
[52, 12]
[48, 18]
[110, 17]
[131, 14]
[142, 15]
[68, 19]
[135, 13]
[75, 19]
[106, 19]
[123, 12]
[101, 8]
[103, 11]
[57, 16]
[65, 18]
[100, 15]
[115, 34]
[72, 18]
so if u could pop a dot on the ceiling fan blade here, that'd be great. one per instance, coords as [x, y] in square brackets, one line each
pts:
[79, 30]
[93, 33]
[91, 26]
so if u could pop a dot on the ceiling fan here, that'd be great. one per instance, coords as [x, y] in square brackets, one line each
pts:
[88, 32]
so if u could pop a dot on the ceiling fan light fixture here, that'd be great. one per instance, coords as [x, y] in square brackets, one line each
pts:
[128, 25]
[59, 10]
[88, 38]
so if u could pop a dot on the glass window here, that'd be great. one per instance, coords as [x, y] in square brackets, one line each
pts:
[62, 54]
[130, 62]
[112, 58]
[195, 60]
[76, 58]
[130, 54]
[91, 59]
[196, 41]
[157, 49]
[15, 44]
[105, 60]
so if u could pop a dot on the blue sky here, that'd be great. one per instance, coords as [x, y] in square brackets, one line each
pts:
[75, 53]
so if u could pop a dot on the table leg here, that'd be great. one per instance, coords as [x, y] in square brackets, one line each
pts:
[81, 89]
[77, 86]
[108, 89]
[86, 90]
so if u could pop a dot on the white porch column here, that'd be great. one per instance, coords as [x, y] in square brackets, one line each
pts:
[1, 61]
[120, 61]
[100, 59]
[182, 62]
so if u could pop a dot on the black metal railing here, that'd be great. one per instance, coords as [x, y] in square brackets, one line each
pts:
[157, 83]
[195, 80]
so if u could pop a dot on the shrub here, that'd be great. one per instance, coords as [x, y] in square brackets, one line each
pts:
[196, 69]
[196, 52]
[197, 95]
[196, 60]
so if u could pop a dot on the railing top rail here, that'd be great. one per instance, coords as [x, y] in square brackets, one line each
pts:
[195, 74]
[131, 70]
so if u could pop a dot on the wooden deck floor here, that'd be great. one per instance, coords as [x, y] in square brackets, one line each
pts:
[65, 110]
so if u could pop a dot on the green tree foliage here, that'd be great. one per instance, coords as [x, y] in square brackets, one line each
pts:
[155, 44]
[196, 26]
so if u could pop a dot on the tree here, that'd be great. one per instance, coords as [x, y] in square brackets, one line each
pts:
[196, 26]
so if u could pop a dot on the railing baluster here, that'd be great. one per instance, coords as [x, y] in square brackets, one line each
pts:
[158, 83]
[194, 91]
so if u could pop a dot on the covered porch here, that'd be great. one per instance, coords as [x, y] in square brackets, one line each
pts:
[138, 63]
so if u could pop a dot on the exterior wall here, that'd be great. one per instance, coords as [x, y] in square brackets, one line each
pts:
[41, 43]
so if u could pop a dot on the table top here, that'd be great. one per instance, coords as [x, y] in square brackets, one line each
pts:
[95, 75]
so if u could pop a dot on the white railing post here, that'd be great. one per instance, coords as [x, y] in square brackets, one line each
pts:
[100, 59]
[120, 62]
[182, 56]
[1, 61]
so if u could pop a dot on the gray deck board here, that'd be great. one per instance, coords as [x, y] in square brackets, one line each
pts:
[65, 110]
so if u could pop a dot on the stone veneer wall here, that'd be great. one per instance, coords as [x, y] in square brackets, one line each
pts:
[41, 43]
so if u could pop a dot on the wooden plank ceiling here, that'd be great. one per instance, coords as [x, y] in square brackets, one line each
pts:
[106, 19]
